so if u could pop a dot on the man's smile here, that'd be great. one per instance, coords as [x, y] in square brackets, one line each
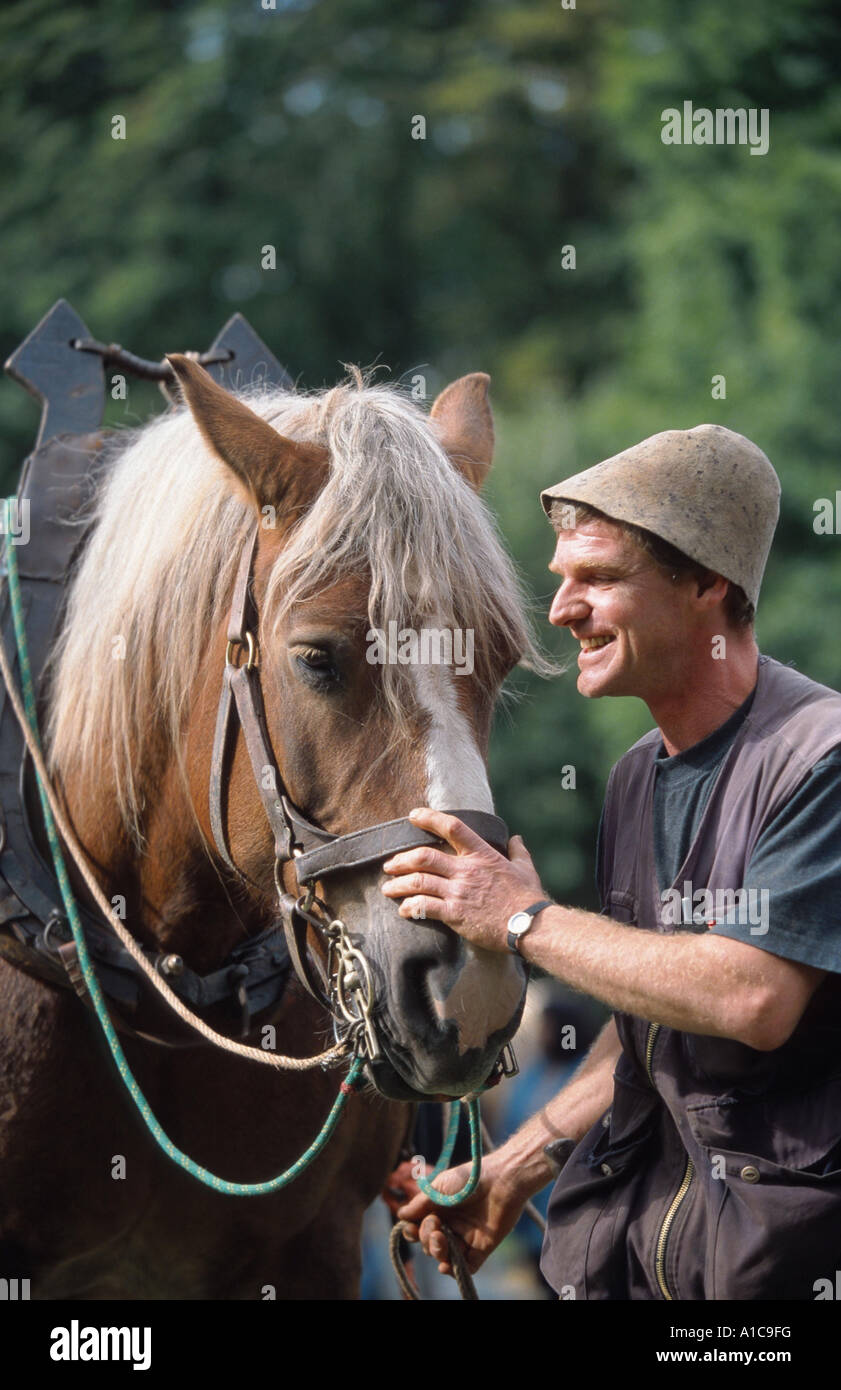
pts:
[592, 644]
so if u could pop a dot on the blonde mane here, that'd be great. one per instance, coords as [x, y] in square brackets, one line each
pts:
[156, 575]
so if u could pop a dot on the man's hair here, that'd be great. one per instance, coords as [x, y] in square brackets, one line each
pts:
[738, 608]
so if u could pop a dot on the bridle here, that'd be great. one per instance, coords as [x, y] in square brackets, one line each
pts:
[33, 928]
[342, 981]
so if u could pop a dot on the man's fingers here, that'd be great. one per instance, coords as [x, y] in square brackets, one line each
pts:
[415, 883]
[424, 859]
[415, 1209]
[438, 1247]
[421, 909]
[449, 828]
[433, 1239]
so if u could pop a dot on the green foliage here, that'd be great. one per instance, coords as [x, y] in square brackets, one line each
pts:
[292, 127]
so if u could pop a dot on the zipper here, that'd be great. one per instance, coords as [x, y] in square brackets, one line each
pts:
[653, 1030]
[668, 1221]
[677, 1200]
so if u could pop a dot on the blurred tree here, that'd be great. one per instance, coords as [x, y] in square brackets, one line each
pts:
[292, 127]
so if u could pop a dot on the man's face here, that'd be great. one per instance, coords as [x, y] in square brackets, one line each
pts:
[631, 620]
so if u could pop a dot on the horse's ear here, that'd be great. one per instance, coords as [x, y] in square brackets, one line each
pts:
[270, 468]
[465, 426]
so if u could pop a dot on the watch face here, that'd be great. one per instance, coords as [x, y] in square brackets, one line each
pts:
[519, 922]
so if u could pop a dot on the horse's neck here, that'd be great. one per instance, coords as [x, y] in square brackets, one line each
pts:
[174, 897]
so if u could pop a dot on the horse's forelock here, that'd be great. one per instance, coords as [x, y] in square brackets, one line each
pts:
[396, 508]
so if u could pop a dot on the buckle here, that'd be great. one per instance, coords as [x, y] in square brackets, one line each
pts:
[505, 1065]
[236, 977]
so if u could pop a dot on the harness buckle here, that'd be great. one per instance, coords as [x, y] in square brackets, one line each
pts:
[236, 976]
[505, 1065]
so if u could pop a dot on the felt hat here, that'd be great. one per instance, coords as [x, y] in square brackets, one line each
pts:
[709, 492]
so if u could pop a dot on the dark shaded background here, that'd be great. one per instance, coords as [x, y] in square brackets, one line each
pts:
[292, 127]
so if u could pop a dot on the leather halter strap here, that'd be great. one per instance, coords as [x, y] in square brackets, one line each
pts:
[317, 852]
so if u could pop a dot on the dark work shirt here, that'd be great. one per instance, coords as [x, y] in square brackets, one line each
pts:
[793, 878]
[682, 785]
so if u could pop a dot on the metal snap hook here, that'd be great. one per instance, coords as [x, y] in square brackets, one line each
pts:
[53, 923]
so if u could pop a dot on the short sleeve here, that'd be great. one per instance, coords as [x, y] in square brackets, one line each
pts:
[792, 899]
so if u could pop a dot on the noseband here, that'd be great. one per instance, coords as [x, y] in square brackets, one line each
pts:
[346, 987]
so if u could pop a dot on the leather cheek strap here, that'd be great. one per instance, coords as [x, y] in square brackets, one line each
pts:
[241, 687]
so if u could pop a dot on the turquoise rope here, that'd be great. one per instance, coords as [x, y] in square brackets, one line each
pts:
[231, 1189]
[444, 1199]
[449, 1141]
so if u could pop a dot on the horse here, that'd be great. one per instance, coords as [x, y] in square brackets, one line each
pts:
[362, 511]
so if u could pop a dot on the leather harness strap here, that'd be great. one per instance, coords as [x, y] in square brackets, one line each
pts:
[221, 739]
[308, 967]
[218, 767]
[70, 960]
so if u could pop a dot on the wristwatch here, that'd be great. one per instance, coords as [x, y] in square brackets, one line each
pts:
[559, 1152]
[519, 924]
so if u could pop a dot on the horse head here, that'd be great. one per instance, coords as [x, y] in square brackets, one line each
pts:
[388, 617]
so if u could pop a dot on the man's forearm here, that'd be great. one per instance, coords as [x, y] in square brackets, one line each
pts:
[696, 983]
[567, 1116]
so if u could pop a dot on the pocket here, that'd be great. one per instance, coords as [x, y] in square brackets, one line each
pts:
[596, 1195]
[778, 1161]
[796, 1132]
[626, 1128]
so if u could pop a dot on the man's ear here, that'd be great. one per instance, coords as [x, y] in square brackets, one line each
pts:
[267, 467]
[712, 587]
[464, 424]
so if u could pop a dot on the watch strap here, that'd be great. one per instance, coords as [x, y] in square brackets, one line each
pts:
[514, 937]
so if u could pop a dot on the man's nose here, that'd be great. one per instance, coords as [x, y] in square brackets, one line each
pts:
[568, 606]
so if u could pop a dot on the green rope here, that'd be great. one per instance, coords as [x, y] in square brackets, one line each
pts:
[449, 1140]
[232, 1189]
[444, 1199]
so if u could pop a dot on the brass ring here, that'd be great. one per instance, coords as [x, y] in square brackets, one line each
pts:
[252, 652]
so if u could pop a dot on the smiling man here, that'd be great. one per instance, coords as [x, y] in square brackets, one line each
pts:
[700, 1142]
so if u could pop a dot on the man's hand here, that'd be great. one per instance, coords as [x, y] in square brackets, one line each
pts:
[474, 891]
[514, 1172]
[481, 1222]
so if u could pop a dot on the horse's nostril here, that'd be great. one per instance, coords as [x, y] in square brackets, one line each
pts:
[414, 989]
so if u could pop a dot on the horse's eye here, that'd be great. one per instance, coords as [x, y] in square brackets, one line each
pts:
[317, 666]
